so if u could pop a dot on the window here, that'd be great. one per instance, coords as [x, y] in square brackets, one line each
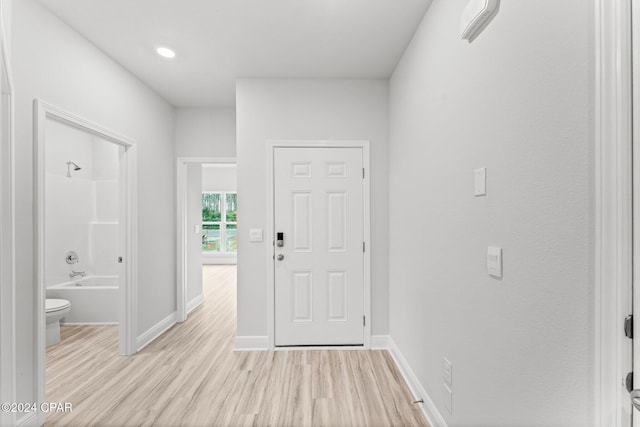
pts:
[219, 226]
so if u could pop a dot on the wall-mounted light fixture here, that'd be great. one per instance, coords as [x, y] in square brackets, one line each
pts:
[476, 16]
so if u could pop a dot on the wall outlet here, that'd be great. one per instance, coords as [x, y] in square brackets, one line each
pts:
[447, 372]
[447, 396]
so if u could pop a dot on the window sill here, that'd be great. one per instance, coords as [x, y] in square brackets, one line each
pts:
[221, 258]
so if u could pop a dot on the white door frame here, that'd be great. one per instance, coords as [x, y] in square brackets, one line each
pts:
[613, 210]
[181, 226]
[128, 206]
[635, 123]
[270, 232]
[7, 232]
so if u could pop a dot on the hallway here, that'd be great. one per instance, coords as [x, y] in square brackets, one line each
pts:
[190, 376]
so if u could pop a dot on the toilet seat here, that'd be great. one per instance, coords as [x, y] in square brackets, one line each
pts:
[53, 305]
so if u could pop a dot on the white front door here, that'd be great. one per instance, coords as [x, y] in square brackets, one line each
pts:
[319, 264]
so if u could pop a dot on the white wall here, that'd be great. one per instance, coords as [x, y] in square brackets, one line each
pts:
[54, 63]
[201, 132]
[518, 101]
[194, 240]
[219, 177]
[299, 110]
[205, 132]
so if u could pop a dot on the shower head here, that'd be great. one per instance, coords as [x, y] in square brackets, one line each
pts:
[75, 168]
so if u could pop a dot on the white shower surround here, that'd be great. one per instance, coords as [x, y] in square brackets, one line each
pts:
[82, 217]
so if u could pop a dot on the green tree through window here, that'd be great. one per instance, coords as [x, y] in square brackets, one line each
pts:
[219, 227]
[211, 209]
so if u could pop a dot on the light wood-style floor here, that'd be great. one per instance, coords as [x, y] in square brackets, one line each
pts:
[191, 376]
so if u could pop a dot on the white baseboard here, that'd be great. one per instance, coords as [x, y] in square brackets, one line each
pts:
[88, 323]
[28, 420]
[429, 408]
[246, 343]
[379, 342]
[195, 303]
[155, 331]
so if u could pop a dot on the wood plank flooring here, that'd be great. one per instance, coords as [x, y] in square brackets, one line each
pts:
[191, 376]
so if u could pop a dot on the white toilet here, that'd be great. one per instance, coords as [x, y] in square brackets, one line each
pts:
[56, 309]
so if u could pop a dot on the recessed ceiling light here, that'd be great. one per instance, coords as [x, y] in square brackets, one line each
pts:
[166, 52]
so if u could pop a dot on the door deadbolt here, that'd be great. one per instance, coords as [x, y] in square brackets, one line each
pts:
[279, 240]
[280, 257]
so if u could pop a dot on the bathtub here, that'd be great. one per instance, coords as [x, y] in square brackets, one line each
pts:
[94, 299]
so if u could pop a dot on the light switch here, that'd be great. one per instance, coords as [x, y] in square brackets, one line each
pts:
[255, 235]
[494, 261]
[480, 182]
[196, 228]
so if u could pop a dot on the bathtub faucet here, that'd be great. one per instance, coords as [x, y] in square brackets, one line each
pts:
[77, 273]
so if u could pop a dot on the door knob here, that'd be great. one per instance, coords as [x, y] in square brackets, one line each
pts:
[280, 257]
[635, 398]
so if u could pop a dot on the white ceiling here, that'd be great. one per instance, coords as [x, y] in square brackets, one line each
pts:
[217, 41]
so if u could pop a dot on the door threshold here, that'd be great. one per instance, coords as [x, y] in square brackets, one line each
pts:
[321, 347]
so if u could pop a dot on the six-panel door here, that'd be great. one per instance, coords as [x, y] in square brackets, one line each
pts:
[319, 269]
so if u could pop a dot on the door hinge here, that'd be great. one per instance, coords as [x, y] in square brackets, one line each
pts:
[362, 173]
[628, 382]
[363, 247]
[628, 326]
[364, 320]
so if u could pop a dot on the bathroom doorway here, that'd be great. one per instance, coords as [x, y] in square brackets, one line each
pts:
[85, 229]
[206, 224]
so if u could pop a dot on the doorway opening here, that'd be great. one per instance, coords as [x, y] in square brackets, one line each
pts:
[85, 230]
[206, 223]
